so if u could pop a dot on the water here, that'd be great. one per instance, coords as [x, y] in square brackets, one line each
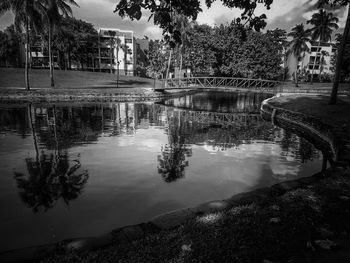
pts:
[83, 169]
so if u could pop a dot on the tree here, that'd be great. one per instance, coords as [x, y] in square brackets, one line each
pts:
[27, 16]
[162, 11]
[345, 67]
[341, 50]
[4, 47]
[323, 23]
[200, 55]
[52, 11]
[72, 40]
[127, 51]
[13, 47]
[157, 59]
[298, 45]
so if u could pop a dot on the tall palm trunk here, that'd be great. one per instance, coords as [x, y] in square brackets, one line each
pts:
[111, 56]
[169, 61]
[117, 66]
[180, 67]
[333, 99]
[26, 50]
[52, 84]
[31, 122]
[313, 67]
[296, 74]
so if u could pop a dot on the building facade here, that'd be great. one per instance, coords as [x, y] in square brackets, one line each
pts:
[116, 51]
[322, 54]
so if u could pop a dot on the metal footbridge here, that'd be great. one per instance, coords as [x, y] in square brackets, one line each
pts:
[221, 83]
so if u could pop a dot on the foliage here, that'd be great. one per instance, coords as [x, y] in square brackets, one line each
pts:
[4, 47]
[234, 50]
[345, 67]
[200, 56]
[323, 25]
[73, 40]
[163, 13]
[298, 44]
[157, 58]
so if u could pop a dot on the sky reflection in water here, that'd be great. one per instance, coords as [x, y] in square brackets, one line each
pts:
[81, 170]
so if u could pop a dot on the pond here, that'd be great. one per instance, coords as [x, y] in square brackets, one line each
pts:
[76, 170]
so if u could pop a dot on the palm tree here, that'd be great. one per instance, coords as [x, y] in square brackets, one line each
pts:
[298, 44]
[126, 51]
[112, 42]
[323, 25]
[27, 16]
[333, 99]
[322, 60]
[52, 11]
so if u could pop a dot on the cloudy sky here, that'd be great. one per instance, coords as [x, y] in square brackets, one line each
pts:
[283, 14]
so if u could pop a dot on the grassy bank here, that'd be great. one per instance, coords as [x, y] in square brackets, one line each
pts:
[309, 224]
[68, 79]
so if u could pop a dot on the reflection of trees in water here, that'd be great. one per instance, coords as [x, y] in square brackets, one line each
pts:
[296, 147]
[172, 161]
[224, 102]
[50, 176]
[49, 179]
[14, 119]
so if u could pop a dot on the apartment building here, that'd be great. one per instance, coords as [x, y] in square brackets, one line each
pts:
[322, 54]
[116, 51]
[39, 55]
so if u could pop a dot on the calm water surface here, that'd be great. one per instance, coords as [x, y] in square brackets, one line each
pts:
[83, 169]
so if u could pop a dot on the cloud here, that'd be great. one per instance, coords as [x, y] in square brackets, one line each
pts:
[153, 32]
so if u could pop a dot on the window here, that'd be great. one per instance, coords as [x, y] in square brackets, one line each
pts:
[128, 40]
[312, 66]
[315, 49]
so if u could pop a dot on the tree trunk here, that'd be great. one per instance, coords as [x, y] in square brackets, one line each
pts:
[333, 99]
[52, 84]
[111, 57]
[26, 50]
[117, 66]
[169, 61]
[180, 67]
[99, 52]
[33, 132]
[296, 74]
[313, 67]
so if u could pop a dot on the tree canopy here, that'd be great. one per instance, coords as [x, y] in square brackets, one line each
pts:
[163, 12]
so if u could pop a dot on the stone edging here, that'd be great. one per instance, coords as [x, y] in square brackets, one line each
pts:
[312, 128]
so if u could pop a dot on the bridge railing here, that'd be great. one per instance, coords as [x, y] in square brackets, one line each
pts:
[217, 82]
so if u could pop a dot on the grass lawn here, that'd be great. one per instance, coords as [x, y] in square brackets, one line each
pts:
[335, 115]
[39, 78]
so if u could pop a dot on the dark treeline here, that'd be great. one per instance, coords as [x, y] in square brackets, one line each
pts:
[73, 45]
[226, 50]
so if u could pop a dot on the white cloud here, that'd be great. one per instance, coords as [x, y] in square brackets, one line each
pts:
[153, 31]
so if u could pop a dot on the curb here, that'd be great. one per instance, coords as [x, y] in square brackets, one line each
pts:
[321, 135]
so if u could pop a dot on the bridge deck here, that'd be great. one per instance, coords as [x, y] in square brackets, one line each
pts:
[220, 82]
